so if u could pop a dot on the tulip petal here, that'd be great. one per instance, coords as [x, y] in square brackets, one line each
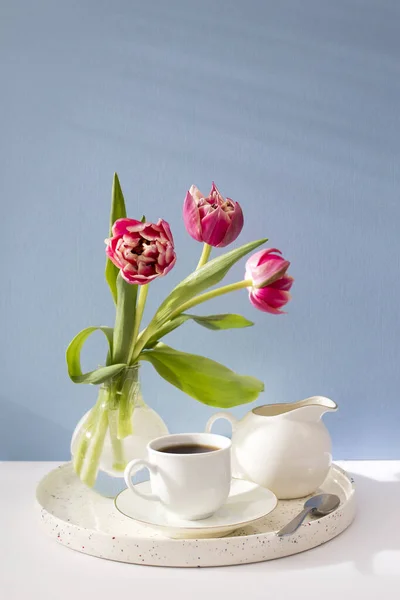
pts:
[150, 234]
[191, 217]
[259, 305]
[214, 189]
[268, 254]
[167, 230]
[236, 226]
[214, 227]
[269, 300]
[114, 260]
[273, 297]
[144, 269]
[204, 210]
[215, 194]
[137, 278]
[196, 193]
[122, 226]
[169, 267]
[131, 240]
[260, 257]
[111, 251]
[270, 271]
[284, 283]
[111, 244]
[253, 261]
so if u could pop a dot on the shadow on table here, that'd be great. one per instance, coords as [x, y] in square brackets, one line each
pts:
[371, 532]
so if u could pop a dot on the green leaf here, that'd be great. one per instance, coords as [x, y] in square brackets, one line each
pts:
[218, 322]
[198, 281]
[118, 211]
[214, 322]
[202, 378]
[124, 320]
[73, 357]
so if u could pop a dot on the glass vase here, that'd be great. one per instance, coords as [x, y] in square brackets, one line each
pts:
[116, 430]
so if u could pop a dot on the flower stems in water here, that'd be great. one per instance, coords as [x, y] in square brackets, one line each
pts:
[112, 413]
[84, 441]
[89, 474]
[117, 444]
[90, 444]
[126, 405]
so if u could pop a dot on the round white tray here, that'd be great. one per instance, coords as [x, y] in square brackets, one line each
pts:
[82, 520]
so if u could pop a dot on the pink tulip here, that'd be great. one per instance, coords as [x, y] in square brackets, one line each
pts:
[270, 289]
[214, 220]
[143, 251]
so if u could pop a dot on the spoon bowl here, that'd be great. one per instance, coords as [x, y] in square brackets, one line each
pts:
[322, 504]
[319, 505]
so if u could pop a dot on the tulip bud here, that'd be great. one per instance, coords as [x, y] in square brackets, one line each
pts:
[270, 289]
[214, 220]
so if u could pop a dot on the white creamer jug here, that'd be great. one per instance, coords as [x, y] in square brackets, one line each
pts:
[283, 447]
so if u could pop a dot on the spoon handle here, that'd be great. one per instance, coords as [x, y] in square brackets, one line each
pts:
[294, 523]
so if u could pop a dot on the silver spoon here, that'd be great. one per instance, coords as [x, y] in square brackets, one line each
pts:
[319, 505]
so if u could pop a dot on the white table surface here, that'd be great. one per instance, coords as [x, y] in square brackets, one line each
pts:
[362, 562]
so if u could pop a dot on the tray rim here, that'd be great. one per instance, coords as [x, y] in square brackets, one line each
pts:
[179, 541]
[348, 505]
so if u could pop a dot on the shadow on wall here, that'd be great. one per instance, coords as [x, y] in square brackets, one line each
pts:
[39, 438]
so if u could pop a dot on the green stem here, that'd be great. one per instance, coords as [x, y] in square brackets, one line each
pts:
[79, 454]
[127, 399]
[90, 473]
[205, 255]
[226, 289]
[141, 302]
[125, 414]
[117, 444]
[84, 440]
[124, 326]
[91, 446]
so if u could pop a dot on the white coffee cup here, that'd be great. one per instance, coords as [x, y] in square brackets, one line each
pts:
[192, 486]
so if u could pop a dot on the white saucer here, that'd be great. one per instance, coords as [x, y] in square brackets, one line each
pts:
[247, 502]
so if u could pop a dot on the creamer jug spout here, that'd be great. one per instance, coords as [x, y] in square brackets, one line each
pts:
[312, 409]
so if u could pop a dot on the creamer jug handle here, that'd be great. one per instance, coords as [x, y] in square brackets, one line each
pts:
[221, 415]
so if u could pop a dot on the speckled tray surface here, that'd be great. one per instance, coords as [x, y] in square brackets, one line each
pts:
[80, 519]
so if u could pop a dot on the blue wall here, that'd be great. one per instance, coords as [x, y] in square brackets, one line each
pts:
[292, 107]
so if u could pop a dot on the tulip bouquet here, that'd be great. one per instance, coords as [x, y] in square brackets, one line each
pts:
[139, 252]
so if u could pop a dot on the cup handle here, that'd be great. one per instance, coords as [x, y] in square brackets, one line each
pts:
[136, 465]
[221, 415]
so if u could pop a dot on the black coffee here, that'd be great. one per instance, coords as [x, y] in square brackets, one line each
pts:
[188, 449]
